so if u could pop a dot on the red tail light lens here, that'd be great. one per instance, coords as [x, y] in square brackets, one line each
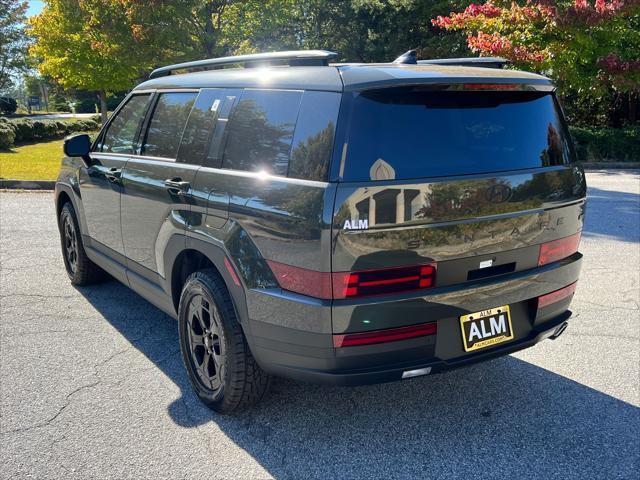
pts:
[384, 281]
[556, 296]
[382, 336]
[558, 249]
[302, 280]
[353, 284]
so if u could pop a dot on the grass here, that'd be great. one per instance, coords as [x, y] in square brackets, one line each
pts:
[32, 161]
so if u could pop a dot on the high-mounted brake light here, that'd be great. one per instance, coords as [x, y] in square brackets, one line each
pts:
[556, 296]
[492, 86]
[353, 284]
[558, 249]
[382, 336]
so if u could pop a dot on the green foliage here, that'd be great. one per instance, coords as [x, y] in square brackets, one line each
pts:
[27, 130]
[591, 48]
[607, 144]
[7, 136]
[8, 105]
[13, 41]
[58, 103]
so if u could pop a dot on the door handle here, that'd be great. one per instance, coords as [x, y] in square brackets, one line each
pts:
[113, 175]
[177, 185]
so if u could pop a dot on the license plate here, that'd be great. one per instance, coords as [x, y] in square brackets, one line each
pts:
[486, 329]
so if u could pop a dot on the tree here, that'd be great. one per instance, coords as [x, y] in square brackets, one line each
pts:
[13, 41]
[592, 49]
[100, 45]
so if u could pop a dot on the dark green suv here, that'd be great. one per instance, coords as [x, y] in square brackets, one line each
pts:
[339, 223]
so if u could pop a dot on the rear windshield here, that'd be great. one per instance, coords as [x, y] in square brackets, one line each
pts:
[404, 133]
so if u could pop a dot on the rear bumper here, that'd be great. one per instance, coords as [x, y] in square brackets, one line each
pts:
[391, 373]
[310, 355]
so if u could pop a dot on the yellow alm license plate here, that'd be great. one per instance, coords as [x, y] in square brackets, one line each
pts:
[486, 328]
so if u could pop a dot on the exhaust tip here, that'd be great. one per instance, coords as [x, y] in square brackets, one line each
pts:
[559, 330]
[416, 373]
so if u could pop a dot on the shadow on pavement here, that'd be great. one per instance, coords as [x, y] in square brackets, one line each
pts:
[612, 214]
[506, 418]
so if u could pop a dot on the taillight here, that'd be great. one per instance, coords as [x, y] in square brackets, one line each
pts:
[384, 281]
[556, 296]
[558, 249]
[382, 336]
[302, 280]
[353, 284]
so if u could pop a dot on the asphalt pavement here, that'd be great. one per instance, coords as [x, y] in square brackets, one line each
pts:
[92, 384]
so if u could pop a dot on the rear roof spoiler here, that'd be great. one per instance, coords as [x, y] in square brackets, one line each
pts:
[486, 62]
[411, 58]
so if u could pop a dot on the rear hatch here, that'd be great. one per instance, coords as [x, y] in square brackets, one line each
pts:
[471, 178]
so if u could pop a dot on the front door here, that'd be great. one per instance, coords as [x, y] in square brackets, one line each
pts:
[156, 189]
[100, 184]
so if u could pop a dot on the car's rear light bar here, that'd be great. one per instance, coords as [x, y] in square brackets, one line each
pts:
[493, 86]
[361, 283]
[383, 336]
[558, 249]
[556, 296]
[383, 281]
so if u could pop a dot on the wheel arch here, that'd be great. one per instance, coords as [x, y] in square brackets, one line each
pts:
[65, 194]
[185, 255]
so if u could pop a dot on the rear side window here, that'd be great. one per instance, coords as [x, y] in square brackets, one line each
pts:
[203, 137]
[121, 133]
[405, 133]
[260, 131]
[313, 139]
[167, 124]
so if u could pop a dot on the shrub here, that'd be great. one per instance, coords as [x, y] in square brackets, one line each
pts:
[26, 130]
[8, 105]
[38, 128]
[23, 129]
[7, 136]
[607, 144]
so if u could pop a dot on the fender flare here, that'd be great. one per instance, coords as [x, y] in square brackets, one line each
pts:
[216, 254]
[77, 205]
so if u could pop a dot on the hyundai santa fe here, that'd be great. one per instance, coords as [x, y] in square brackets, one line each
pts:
[339, 223]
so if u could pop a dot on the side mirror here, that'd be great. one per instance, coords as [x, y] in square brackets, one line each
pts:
[78, 146]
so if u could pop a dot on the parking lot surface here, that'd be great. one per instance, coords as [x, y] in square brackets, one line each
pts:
[92, 385]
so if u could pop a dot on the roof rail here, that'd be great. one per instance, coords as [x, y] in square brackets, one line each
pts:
[487, 62]
[292, 58]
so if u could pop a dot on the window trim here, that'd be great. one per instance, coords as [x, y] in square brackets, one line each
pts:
[105, 128]
[144, 130]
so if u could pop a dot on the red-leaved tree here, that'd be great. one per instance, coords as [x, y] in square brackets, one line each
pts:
[591, 48]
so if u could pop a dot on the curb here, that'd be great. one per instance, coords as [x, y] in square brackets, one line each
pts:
[27, 184]
[611, 165]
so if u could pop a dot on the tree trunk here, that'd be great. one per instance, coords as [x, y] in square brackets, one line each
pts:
[103, 106]
[633, 107]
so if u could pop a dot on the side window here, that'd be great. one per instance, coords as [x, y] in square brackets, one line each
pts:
[121, 132]
[167, 123]
[313, 139]
[204, 134]
[260, 131]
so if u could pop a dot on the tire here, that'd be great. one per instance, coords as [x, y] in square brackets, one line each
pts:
[221, 369]
[80, 269]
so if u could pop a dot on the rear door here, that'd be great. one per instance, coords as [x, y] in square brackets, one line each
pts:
[474, 180]
[203, 144]
[155, 188]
